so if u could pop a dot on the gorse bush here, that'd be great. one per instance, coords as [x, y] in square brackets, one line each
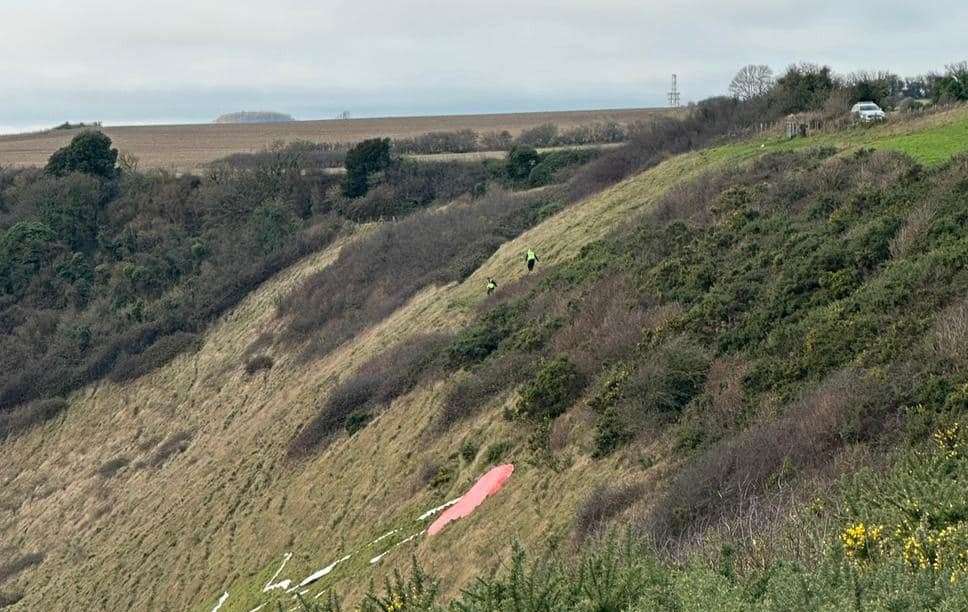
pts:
[552, 387]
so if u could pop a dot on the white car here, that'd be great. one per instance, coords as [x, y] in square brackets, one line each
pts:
[868, 111]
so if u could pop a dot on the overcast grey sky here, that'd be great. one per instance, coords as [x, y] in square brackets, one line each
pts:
[190, 60]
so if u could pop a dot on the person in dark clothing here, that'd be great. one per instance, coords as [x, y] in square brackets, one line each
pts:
[491, 286]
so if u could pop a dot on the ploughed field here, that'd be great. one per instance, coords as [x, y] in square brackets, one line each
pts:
[188, 147]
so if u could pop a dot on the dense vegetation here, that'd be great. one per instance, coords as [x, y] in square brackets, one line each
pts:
[893, 539]
[109, 272]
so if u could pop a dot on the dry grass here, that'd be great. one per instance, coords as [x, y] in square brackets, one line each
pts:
[189, 147]
[219, 514]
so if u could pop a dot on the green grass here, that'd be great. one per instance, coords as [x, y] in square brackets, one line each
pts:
[930, 140]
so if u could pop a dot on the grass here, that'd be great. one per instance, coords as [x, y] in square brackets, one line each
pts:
[228, 512]
[930, 140]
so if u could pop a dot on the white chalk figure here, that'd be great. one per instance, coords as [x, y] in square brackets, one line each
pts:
[282, 584]
[429, 513]
[383, 537]
[317, 575]
[221, 600]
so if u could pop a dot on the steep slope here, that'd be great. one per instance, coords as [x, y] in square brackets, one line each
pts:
[168, 491]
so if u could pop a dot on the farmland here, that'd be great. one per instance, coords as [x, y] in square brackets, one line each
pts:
[188, 147]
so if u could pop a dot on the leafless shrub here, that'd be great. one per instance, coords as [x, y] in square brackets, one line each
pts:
[109, 468]
[22, 418]
[912, 232]
[951, 333]
[473, 390]
[258, 363]
[18, 564]
[8, 599]
[608, 326]
[174, 444]
[603, 504]
[158, 354]
[849, 406]
[371, 388]
[724, 387]
[377, 274]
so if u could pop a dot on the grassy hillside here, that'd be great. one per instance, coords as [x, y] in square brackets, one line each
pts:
[164, 492]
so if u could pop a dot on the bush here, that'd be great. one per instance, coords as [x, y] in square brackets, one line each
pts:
[602, 505]
[372, 388]
[476, 342]
[472, 391]
[521, 160]
[17, 420]
[468, 450]
[89, 152]
[258, 363]
[377, 274]
[12, 567]
[849, 407]
[111, 467]
[496, 452]
[162, 352]
[544, 135]
[363, 160]
[553, 387]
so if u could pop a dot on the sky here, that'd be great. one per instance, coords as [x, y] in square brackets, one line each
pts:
[159, 61]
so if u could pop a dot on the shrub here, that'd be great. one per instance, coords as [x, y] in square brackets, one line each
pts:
[951, 333]
[668, 379]
[377, 274]
[258, 363]
[12, 567]
[602, 505]
[22, 418]
[477, 341]
[363, 160]
[468, 450]
[497, 451]
[161, 352]
[25, 249]
[89, 152]
[521, 160]
[850, 406]
[111, 467]
[554, 385]
[376, 383]
[473, 390]
[544, 135]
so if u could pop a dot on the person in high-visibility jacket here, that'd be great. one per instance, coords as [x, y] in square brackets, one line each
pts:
[491, 286]
[531, 259]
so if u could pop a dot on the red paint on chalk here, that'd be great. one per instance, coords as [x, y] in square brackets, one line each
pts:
[488, 485]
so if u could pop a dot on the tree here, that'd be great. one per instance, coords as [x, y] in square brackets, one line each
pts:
[804, 87]
[751, 81]
[89, 153]
[25, 248]
[953, 86]
[364, 159]
[521, 160]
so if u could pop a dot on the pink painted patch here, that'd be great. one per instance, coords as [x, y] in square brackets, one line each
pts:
[488, 485]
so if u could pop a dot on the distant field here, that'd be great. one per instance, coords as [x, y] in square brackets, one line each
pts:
[188, 147]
